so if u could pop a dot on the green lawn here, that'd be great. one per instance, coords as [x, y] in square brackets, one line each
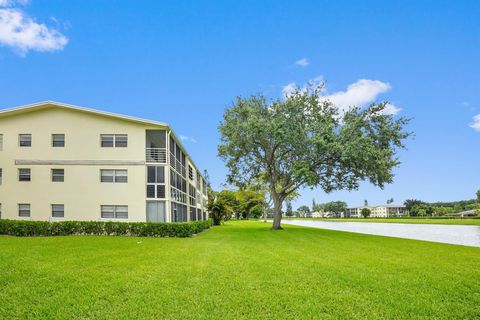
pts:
[471, 222]
[241, 270]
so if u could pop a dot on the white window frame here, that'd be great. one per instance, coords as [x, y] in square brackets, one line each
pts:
[55, 210]
[22, 135]
[57, 175]
[20, 174]
[114, 175]
[56, 135]
[115, 211]
[26, 206]
[115, 139]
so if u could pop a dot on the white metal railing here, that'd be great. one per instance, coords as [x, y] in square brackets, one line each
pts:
[156, 155]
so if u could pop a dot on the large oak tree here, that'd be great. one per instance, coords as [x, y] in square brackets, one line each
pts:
[306, 141]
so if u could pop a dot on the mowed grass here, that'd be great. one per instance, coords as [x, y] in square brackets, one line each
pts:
[241, 270]
[471, 222]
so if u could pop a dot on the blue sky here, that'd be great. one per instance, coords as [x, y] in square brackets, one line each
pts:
[183, 62]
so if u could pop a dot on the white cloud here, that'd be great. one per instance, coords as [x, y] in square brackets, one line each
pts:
[302, 62]
[476, 123]
[289, 89]
[187, 138]
[22, 33]
[391, 109]
[359, 94]
[11, 3]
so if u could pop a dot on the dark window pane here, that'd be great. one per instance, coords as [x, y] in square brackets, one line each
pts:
[121, 176]
[151, 174]
[107, 140]
[121, 212]
[150, 191]
[121, 140]
[160, 191]
[58, 210]
[160, 174]
[58, 140]
[58, 175]
[24, 175]
[108, 211]
[25, 140]
[24, 210]
[107, 175]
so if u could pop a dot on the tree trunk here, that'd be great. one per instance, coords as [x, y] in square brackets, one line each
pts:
[277, 213]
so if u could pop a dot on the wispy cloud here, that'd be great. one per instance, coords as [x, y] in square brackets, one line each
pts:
[187, 138]
[359, 94]
[476, 123]
[302, 62]
[22, 33]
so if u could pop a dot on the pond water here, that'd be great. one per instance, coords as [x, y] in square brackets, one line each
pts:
[452, 234]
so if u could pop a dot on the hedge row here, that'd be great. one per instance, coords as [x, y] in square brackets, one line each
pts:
[23, 228]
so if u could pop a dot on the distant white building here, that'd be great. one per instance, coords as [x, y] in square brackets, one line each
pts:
[382, 211]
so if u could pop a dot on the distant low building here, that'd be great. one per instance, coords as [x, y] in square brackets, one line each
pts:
[382, 211]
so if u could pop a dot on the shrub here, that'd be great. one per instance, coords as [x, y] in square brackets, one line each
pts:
[23, 228]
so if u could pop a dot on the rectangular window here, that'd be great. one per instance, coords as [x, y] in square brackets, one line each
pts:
[58, 140]
[114, 212]
[24, 175]
[118, 176]
[1, 176]
[58, 210]
[114, 140]
[58, 175]
[24, 210]
[155, 182]
[161, 191]
[156, 174]
[106, 140]
[190, 172]
[121, 141]
[25, 140]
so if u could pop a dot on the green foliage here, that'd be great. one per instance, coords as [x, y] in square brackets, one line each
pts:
[390, 201]
[248, 199]
[478, 195]
[421, 208]
[366, 212]
[336, 207]
[242, 201]
[256, 211]
[303, 211]
[303, 141]
[289, 212]
[23, 228]
[229, 199]
[239, 271]
[218, 210]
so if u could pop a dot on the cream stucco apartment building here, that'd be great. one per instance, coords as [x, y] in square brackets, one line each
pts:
[63, 162]
[382, 211]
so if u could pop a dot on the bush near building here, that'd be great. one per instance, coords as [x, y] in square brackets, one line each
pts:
[21, 228]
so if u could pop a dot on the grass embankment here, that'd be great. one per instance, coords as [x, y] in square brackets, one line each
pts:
[466, 221]
[241, 270]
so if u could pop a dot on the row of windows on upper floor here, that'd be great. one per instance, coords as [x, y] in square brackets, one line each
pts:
[58, 140]
[58, 175]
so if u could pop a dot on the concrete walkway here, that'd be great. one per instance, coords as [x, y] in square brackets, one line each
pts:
[452, 234]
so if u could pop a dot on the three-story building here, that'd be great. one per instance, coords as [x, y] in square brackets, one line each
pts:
[63, 162]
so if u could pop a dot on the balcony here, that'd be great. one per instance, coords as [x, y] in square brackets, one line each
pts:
[156, 155]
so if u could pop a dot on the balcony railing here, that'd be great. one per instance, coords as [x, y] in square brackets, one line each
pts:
[156, 155]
